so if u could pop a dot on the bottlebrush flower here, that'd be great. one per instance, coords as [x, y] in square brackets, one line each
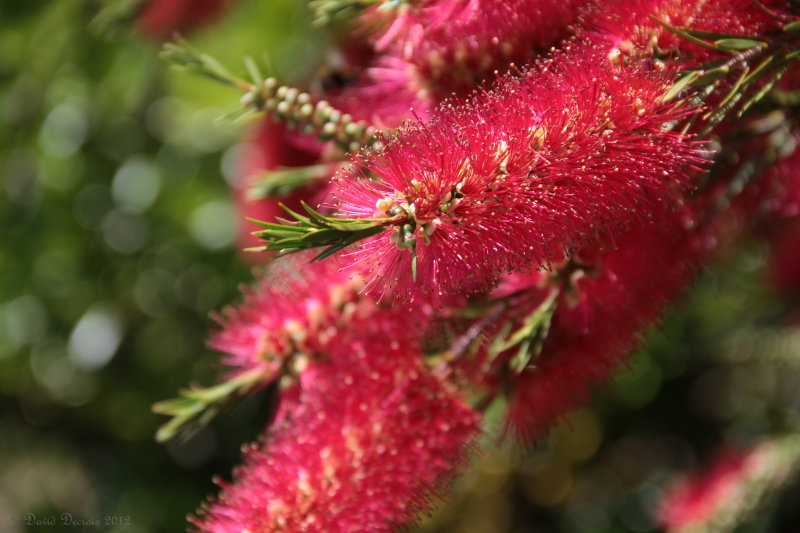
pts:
[297, 310]
[627, 26]
[614, 295]
[271, 147]
[699, 498]
[783, 219]
[571, 152]
[617, 293]
[386, 95]
[784, 260]
[161, 18]
[287, 314]
[368, 440]
[733, 489]
[452, 45]
[721, 491]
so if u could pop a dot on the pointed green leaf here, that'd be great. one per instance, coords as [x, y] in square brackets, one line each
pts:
[253, 71]
[792, 27]
[683, 82]
[288, 225]
[761, 93]
[737, 89]
[762, 69]
[791, 56]
[711, 75]
[683, 34]
[711, 35]
[414, 263]
[284, 181]
[739, 44]
[295, 215]
[173, 406]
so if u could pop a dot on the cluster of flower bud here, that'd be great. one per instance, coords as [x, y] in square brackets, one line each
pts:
[299, 110]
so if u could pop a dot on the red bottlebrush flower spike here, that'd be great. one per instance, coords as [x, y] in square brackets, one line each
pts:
[733, 489]
[784, 221]
[784, 178]
[368, 440]
[386, 95]
[696, 499]
[286, 314]
[452, 45]
[161, 18]
[575, 150]
[784, 260]
[615, 295]
[612, 297]
[628, 26]
[298, 310]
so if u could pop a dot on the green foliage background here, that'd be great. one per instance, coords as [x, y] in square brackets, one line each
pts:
[117, 240]
[116, 216]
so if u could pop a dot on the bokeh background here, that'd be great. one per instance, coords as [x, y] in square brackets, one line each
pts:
[118, 237]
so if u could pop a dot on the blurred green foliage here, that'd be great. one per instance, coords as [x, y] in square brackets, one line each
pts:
[118, 239]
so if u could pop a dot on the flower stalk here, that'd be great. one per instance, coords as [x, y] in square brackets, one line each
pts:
[298, 109]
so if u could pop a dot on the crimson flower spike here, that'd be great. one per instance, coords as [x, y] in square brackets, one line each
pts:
[453, 45]
[639, 27]
[616, 294]
[160, 19]
[293, 316]
[360, 445]
[732, 489]
[575, 150]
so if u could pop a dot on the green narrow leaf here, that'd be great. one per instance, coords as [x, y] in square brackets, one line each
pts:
[761, 92]
[763, 68]
[188, 59]
[297, 216]
[792, 27]
[172, 406]
[196, 406]
[711, 35]
[739, 44]
[711, 75]
[530, 336]
[685, 35]
[319, 237]
[414, 263]
[791, 56]
[284, 181]
[310, 210]
[683, 82]
[735, 93]
[253, 71]
[315, 231]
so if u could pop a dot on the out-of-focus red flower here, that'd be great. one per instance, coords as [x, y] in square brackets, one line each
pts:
[617, 293]
[627, 26]
[287, 313]
[614, 295]
[364, 443]
[784, 261]
[385, 95]
[453, 45]
[698, 498]
[783, 222]
[271, 147]
[297, 310]
[161, 18]
[568, 153]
